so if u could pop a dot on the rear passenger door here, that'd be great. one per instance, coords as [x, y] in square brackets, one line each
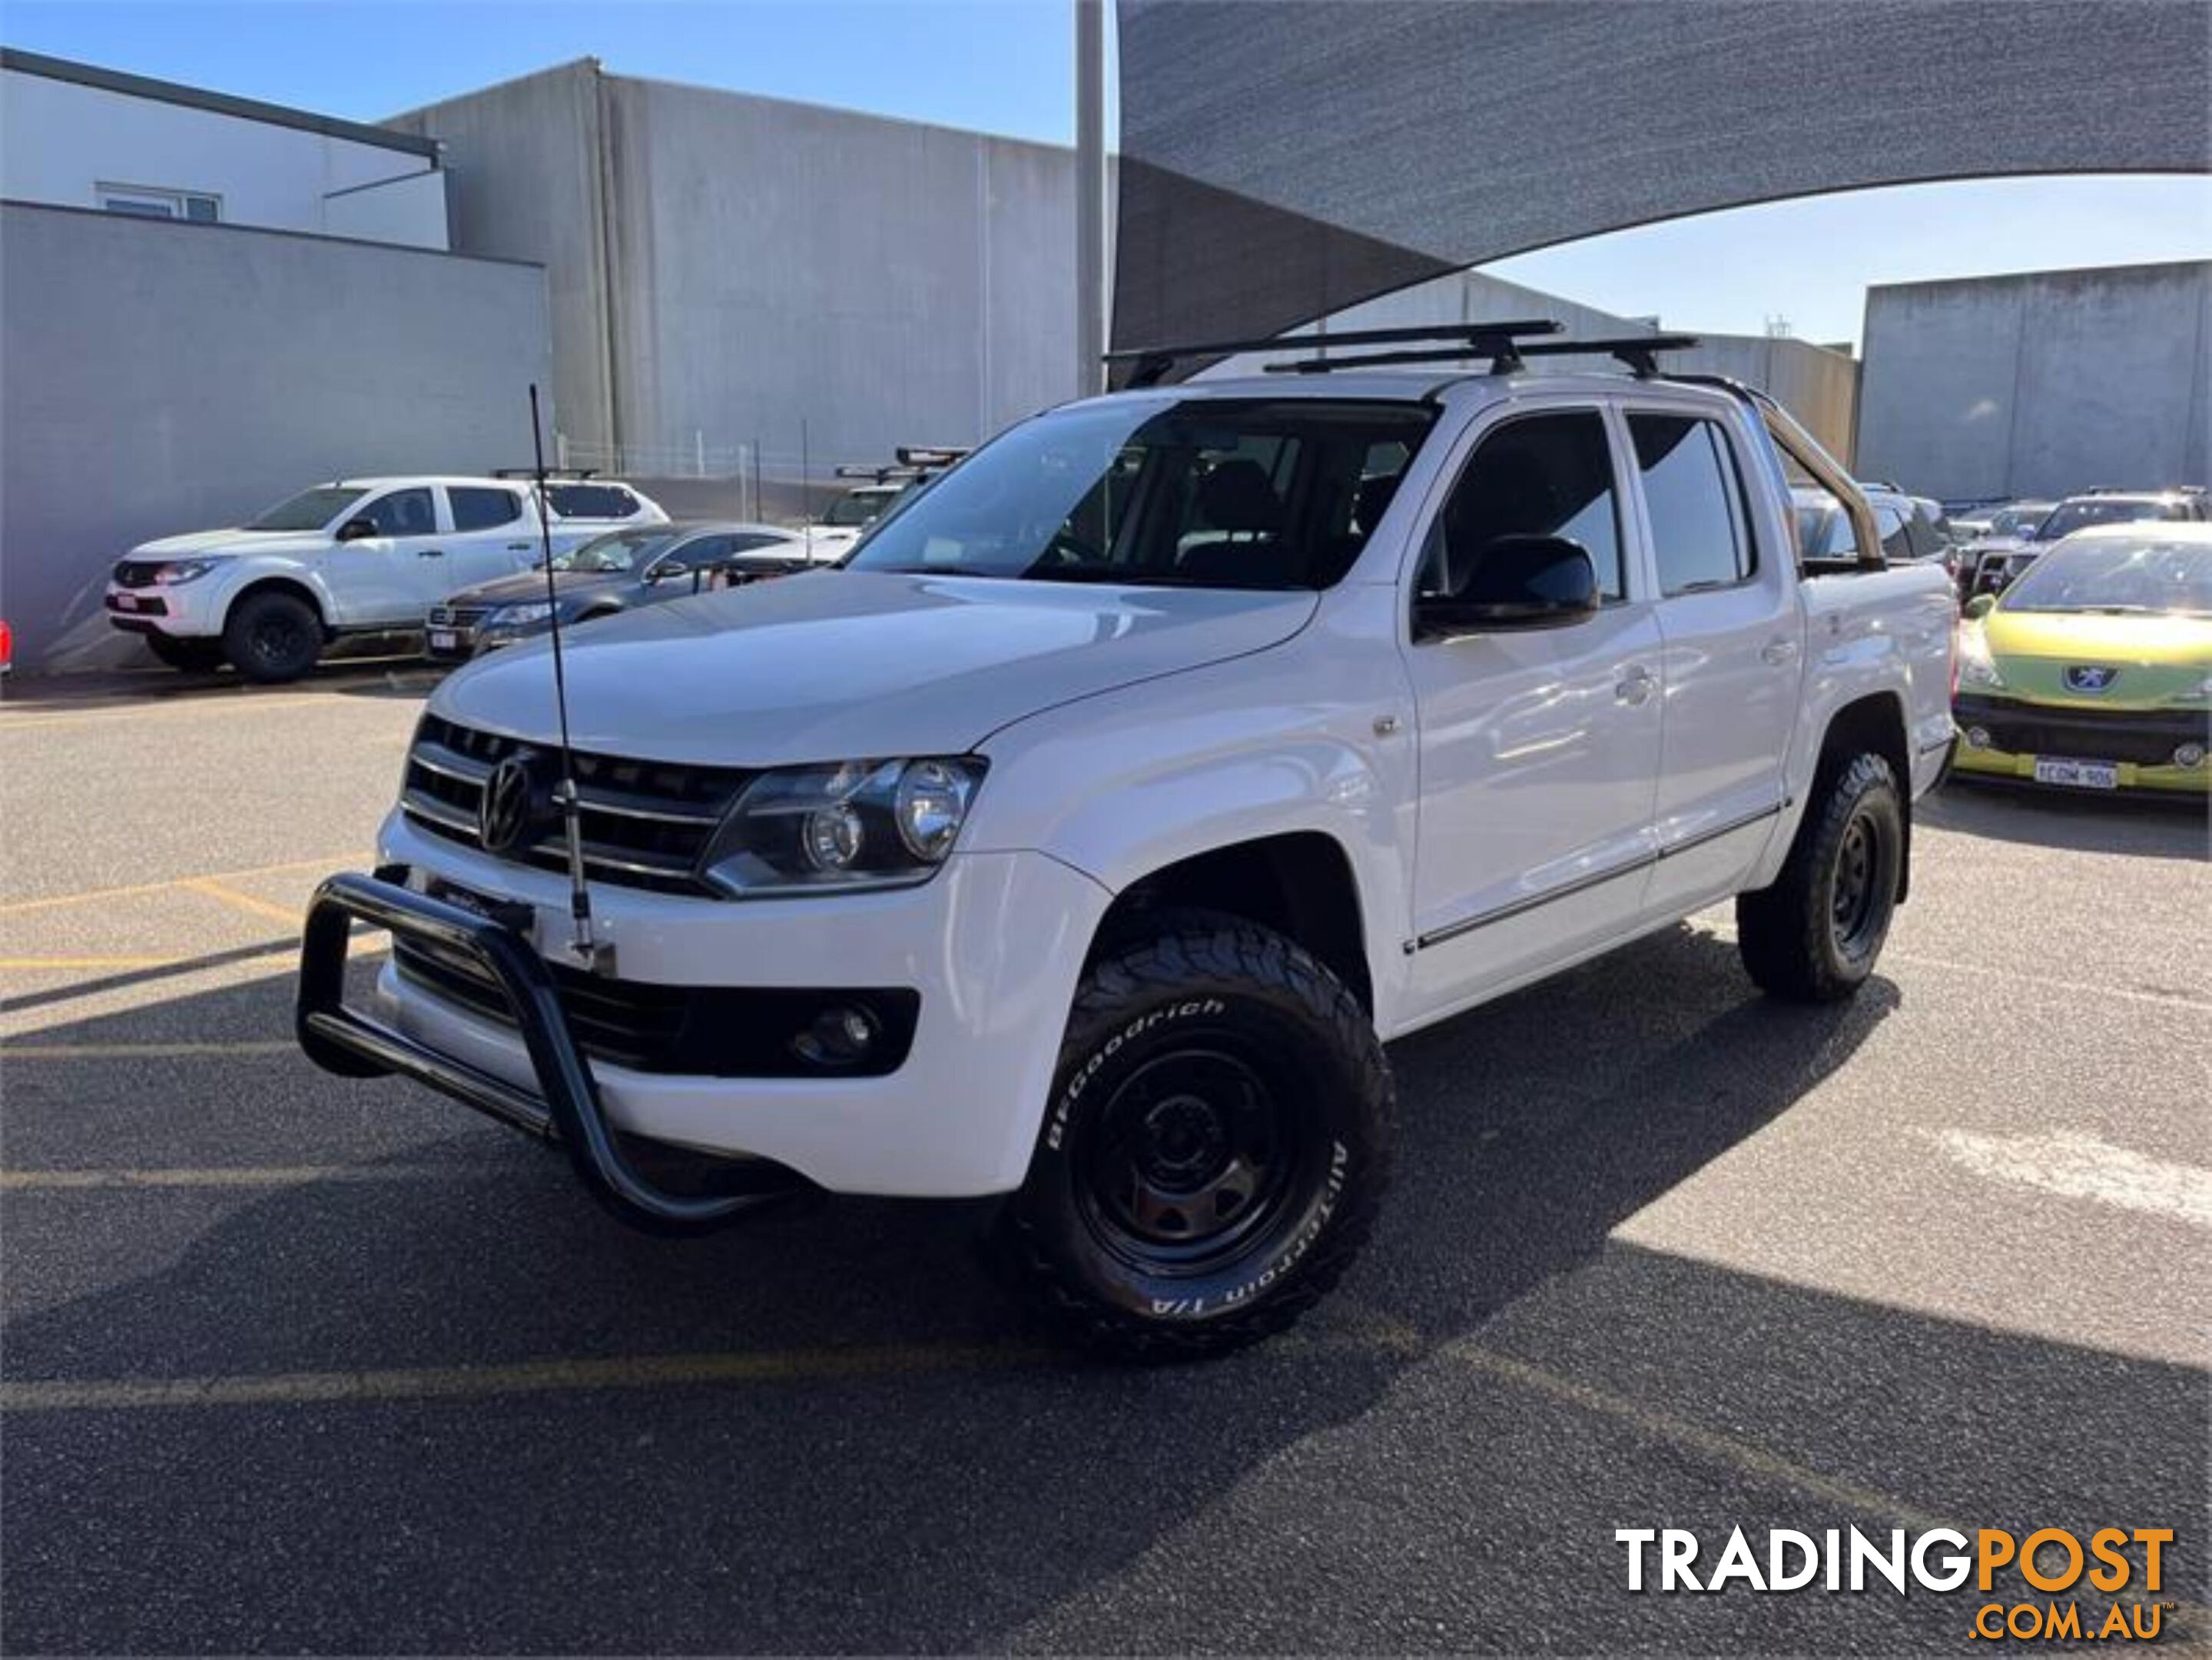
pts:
[1731, 656]
[491, 537]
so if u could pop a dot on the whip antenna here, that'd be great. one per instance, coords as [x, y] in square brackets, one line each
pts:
[592, 955]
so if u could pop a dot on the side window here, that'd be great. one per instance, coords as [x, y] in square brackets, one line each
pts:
[1542, 475]
[1889, 525]
[592, 500]
[477, 506]
[751, 543]
[402, 513]
[1700, 526]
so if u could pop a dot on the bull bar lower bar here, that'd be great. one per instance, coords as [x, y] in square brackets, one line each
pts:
[565, 1109]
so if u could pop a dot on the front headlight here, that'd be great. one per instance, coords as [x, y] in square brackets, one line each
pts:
[185, 570]
[855, 824]
[1976, 667]
[520, 616]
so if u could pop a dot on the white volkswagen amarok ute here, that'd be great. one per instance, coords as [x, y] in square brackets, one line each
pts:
[1088, 835]
[355, 555]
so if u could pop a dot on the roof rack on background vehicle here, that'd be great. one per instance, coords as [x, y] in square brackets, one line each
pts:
[550, 472]
[1507, 355]
[1152, 362]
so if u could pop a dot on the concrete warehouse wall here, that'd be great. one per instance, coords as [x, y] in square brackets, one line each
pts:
[726, 268]
[2042, 384]
[1817, 386]
[157, 378]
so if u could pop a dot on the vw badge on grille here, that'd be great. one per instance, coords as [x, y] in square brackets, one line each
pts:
[510, 809]
[2090, 676]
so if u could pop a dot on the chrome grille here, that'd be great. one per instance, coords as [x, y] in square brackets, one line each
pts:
[457, 617]
[137, 572]
[645, 823]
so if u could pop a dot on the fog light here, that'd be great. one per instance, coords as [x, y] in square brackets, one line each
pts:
[839, 1036]
[2189, 755]
[1977, 738]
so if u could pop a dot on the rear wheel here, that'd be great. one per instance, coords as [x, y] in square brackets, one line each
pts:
[190, 656]
[272, 637]
[1218, 1143]
[1813, 936]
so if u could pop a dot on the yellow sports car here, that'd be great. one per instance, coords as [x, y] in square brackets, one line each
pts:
[2093, 671]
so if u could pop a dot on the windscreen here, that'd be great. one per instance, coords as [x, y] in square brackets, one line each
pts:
[857, 508]
[1199, 493]
[308, 510]
[2070, 516]
[619, 551]
[2118, 575]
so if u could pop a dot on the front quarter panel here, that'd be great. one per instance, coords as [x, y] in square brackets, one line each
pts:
[1297, 737]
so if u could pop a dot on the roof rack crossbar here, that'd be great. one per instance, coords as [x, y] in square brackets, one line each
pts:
[1639, 352]
[1152, 362]
[563, 473]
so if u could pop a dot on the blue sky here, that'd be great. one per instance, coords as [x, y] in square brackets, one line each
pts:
[1005, 66]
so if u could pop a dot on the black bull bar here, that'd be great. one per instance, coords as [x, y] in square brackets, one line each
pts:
[565, 1110]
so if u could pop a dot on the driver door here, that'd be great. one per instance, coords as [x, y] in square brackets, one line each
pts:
[1539, 747]
[389, 579]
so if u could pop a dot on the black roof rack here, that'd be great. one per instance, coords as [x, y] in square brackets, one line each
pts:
[565, 473]
[1507, 354]
[1152, 362]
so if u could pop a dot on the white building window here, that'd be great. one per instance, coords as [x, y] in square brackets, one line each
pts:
[149, 202]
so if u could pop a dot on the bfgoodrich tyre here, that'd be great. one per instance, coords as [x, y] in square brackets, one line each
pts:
[1216, 1143]
[272, 637]
[1813, 936]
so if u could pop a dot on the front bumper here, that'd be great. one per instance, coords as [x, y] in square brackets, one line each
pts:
[993, 945]
[174, 610]
[2138, 744]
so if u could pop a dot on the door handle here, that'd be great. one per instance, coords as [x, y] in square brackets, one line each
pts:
[1634, 686]
[521, 547]
[1778, 652]
[429, 553]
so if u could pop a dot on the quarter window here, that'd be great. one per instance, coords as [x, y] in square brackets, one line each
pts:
[1700, 527]
[1542, 475]
[477, 506]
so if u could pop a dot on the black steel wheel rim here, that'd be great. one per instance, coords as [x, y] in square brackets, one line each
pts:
[1193, 1160]
[1855, 911]
[275, 640]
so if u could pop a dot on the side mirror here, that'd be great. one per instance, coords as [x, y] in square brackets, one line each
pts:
[358, 530]
[1518, 582]
[1981, 606]
[669, 569]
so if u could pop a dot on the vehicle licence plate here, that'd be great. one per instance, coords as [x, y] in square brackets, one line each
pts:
[444, 640]
[2078, 774]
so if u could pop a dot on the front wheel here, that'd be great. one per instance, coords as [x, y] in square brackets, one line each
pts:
[1216, 1147]
[1813, 937]
[272, 637]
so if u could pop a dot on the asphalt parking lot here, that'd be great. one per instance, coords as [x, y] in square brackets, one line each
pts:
[294, 1365]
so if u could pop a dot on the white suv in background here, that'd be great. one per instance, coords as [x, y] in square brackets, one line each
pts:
[358, 556]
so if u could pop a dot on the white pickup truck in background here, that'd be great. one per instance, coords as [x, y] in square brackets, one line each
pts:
[1086, 838]
[359, 556]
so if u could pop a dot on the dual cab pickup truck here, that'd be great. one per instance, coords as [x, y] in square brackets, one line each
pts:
[1087, 836]
[357, 555]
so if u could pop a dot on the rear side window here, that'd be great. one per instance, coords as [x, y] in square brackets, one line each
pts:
[477, 506]
[1700, 524]
[592, 500]
[1541, 475]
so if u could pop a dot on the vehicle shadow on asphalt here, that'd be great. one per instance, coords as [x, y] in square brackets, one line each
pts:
[2145, 825]
[1398, 1476]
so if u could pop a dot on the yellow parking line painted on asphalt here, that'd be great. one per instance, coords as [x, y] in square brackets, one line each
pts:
[1694, 1437]
[214, 889]
[9, 1051]
[526, 1377]
[93, 895]
[142, 711]
[236, 1176]
[32, 964]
